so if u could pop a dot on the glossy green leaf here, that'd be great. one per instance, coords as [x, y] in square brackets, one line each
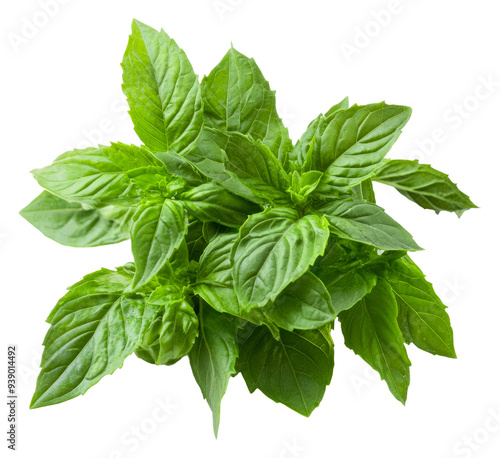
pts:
[213, 357]
[215, 283]
[173, 333]
[424, 185]
[342, 105]
[367, 223]
[210, 202]
[293, 371]
[162, 91]
[99, 176]
[347, 288]
[94, 327]
[238, 98]
[180, 167]
[422, 316]
[371, 330]
[303, 304]
[68, 223]
[350, 145]
[157, 231]
[364, 191]
[274, 249]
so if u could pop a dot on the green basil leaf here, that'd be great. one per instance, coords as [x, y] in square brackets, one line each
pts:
[162, 91]
[70, 224]
[210, 202]
[350, 145]
[94, 327]
[238, 98]
[367, 223]
[173, 333]
[303, 304]
[371, 330]
[213, 357]
[293, 371]
[180, 167]
[274, 249]
[215, 283]
[342, 105]
[427, 187]
[99, 176]
[422, 316]
[364, 191]
[195, 242]
[243, 166]
[157, 231]
[347, 288]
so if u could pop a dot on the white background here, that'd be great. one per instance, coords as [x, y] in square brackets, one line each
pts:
[60, 85]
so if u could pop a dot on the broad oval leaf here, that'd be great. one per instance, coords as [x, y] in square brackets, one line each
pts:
[215, 283]
[371, 330]
[367, 223]
[422, 316]
[99, 176]
[93, 329]
[238, 98]
[293, 371]
[213, 357]
[303, 304]
[347, 288]
[70, 224]
[274, 249]
[162, 91]
[157, 231]
[427, 187]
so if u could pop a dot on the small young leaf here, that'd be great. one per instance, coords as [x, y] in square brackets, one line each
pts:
[424, 185]
[371, 330]
[162, 91]
[157, 231]
[274, 249]
[213, 357]
[294, 370]
[174, 331]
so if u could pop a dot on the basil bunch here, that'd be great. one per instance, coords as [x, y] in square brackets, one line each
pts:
[246, 247]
